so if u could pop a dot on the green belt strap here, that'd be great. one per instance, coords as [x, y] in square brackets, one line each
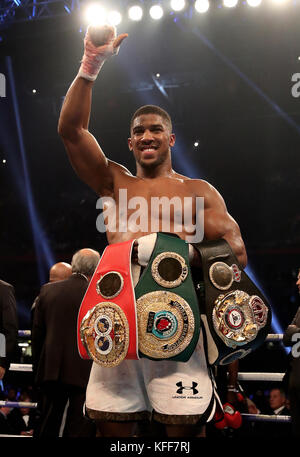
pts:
[148, 291]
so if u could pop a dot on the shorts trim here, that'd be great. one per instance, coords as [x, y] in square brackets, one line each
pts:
[173, 419]
[107, 416]
[193, 419]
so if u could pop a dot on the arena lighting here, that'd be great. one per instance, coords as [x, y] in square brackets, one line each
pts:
[254, 2]
[114, 18]
[201, 6]
[135, 13]
[95, 14]
[44, 255]
[230, 3]
[156, 12]
[177, 5]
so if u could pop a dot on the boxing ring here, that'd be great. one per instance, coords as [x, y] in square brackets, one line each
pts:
[242, 376]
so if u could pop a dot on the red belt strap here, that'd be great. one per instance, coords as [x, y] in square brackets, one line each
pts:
[107, 322]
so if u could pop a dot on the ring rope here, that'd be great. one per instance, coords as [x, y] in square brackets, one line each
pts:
[265, 418]
[18, 404]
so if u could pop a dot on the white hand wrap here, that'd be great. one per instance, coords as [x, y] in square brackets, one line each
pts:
[94, 57]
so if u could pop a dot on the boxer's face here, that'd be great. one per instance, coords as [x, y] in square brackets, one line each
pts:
[150, 140]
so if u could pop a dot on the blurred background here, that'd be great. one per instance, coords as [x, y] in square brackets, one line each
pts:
[226, 73]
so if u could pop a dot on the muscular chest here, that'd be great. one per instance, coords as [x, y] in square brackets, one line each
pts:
[162, 198]
[141, 207]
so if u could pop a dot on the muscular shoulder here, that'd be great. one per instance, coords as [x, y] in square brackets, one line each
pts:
[118, 169]
[117, 172]
[204, 189]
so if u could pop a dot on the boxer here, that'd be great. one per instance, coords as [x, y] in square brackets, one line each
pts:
[180, 395]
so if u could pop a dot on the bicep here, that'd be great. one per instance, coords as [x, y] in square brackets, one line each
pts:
[218, 223]
[89, 161]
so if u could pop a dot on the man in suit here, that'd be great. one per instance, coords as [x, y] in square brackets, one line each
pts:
[60, 271]
[22, 421]
[8, 326]
[59, 371]
[277, 402]
[291, 337]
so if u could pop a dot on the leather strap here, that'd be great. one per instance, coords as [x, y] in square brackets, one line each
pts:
[238, 317]
[169, 318]
[107, 321]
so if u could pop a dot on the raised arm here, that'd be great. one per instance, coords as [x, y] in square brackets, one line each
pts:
[217, 221]
[85, 154]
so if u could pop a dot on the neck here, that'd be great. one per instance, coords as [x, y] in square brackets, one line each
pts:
[159, 171]
[84, 276]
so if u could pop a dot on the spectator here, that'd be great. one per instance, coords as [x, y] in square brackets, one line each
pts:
[58, 272]
[8, 326]
[23, 420]
[290, 338]
[59, 371]
[277, 401]
[5, 426]
[12, 394]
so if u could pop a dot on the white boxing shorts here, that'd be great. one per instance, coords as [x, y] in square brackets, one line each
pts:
[135, 388]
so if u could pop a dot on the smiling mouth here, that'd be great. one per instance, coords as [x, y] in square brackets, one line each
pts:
[148, 148]
[148, 152]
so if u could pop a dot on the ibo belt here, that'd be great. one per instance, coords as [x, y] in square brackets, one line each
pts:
[237, 317]
[107, 329]
[167, 307]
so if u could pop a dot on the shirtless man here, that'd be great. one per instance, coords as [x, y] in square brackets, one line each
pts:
[151, 140]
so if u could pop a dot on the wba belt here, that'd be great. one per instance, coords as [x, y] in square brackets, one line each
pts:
[167, 306]
[106, 326]
[236, 317]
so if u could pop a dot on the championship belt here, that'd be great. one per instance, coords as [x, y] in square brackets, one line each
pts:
[237, 317]
[167, 306]
[106, 326]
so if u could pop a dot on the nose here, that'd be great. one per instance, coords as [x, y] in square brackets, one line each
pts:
[147, 136]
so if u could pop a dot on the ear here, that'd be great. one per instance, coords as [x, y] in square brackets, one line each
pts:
[129, 144]
[172, 139]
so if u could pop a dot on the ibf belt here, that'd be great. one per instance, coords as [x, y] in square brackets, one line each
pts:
[167, 307]
[106, 326]
[238, 317]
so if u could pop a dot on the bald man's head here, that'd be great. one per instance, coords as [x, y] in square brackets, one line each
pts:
[60, 271]
[85, 261]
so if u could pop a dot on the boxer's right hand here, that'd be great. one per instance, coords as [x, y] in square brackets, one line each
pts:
[104, 39]
[100, 43]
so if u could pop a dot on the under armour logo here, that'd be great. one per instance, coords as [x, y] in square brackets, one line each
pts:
[181, 387]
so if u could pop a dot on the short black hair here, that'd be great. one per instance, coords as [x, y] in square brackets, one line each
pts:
[152, 109]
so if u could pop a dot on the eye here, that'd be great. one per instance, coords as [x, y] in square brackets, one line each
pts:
[138, 132]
